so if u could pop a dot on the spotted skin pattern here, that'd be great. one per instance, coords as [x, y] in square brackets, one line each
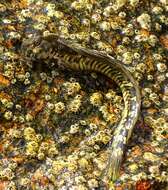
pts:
[77, 58]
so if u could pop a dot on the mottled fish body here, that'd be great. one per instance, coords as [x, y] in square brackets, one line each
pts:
[75, 57]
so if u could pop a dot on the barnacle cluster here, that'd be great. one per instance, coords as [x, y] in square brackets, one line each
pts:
[53, 134]
[108, 111]
[47, 134]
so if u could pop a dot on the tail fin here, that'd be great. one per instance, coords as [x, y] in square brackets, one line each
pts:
[113, 167]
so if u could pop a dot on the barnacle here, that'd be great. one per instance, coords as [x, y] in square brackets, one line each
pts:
[32, 146]
[16, 133]
[8, 173]
[50, 106]
[72, 87]
[64, 139]
[105, 139]
[110, 94]
[96, 17]
[141, 67]
[162, 67]
[87, 132]
[41, 156]
[80, 179]
[110, 118]
[52, 151]
[28, 117]
[74, 105]
[44, 146]
[152, 40]
[96, 99]
[29, 133]
[91, 141]
[24, 181]
[105, 26]
[134, 2]
[59, 107]
[95, 35]
[137, 55]
[161, 78]
[83, 163]
[144, 20]
[74, 128]
[57, 166]
[8, 115]
[83, 122]
[127, 57]
[128, 30]
[93, 183]
[93, 126]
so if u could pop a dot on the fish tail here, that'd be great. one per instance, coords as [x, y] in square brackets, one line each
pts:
[113, 167]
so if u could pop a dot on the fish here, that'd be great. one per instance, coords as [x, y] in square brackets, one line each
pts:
[73, 56]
